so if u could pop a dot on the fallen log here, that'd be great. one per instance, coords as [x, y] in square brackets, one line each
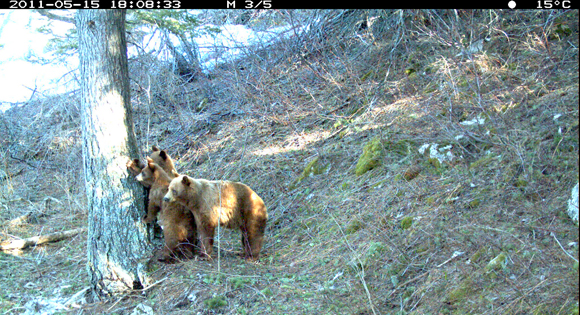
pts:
[38, 240]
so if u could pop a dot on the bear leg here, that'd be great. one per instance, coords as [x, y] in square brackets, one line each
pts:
[206, 234]
[252, 237]
[177, 238]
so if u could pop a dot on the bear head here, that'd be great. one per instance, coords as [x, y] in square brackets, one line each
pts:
[135, 166]
[181, 189]
[147, 175]
[162, 159]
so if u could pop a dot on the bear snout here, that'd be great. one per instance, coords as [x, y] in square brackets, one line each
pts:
[166, 199]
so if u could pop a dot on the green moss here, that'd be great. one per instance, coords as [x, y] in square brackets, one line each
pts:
[267, 292]
[562, 30]
[521, 182]
[496, 264]
[459, 294]
[477, 256]
[474, 203]
[315, 167]
[483, 161]
[406, 222]
[371, 157]
[366, 75]
[354, 226]
[239, 282]
[435, 162]
[401, 147]
[430, 200]
[215, 302]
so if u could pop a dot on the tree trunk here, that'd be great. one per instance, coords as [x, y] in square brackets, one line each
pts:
[118, 243]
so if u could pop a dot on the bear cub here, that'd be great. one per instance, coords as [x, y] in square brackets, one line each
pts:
[178, 223]
[230, 204]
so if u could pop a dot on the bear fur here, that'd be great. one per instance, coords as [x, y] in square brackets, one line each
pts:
[178, 223]
[160, 157]
[240, 208]
[136, 166]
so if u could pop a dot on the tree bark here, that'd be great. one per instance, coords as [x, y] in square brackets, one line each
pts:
[117, 242]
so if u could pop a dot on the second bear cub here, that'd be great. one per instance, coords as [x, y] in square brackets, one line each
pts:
[178, 223]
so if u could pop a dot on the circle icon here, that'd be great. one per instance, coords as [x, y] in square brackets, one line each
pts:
[512, 4]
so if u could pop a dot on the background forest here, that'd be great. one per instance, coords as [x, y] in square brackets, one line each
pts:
[412, 162]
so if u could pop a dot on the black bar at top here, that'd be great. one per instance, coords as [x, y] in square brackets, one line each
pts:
[288, 4]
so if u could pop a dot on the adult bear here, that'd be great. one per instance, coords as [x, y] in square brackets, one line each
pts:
[232, 204]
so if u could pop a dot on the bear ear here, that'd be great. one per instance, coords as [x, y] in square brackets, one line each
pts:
[150, 163]
[163, 154]
[154, 148]
[186, 181]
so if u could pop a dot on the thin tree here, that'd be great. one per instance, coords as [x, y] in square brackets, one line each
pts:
[118, 243]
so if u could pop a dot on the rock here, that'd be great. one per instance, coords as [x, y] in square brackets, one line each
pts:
[437, 155]
[142, 309]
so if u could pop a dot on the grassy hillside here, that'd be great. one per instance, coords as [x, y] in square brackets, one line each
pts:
[402, 173]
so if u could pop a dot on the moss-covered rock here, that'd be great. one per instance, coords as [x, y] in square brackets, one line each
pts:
[406, 222]
[412, 172]
[354, 226]
[496, 264]
[461, 293]
[371, 157]
[215, 302]
[474, 203]
[314, 167]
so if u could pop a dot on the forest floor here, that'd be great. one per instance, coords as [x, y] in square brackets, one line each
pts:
[400, 176]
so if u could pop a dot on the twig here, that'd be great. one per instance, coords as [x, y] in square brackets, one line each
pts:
[75, 296]
[218, 230]
[25, 218]
[455, 254]
[407, 282]
[554, 236]
[525, 294]
[152, 285]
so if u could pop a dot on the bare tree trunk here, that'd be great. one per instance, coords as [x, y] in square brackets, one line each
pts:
[118, 243]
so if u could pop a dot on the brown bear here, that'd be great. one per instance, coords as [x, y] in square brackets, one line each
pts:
[178, 223]
[160, 157]
[234, 204]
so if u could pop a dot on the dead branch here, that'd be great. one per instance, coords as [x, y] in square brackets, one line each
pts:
[26, 218]
[38, 240]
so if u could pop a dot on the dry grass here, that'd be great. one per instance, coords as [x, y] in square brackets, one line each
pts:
[412, 235]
